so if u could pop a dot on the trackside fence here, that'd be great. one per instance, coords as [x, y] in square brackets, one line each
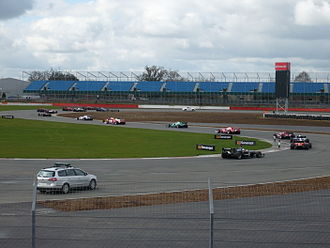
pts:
[201, 213]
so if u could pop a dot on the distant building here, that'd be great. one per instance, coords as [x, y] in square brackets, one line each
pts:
[13, 88]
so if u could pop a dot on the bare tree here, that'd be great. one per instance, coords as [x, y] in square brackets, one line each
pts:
[158, 73]
[52, 75]
[303, 77]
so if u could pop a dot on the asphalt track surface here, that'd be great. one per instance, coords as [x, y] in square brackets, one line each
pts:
[267, 224]
[131, 176]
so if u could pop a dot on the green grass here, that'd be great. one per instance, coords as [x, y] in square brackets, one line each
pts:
[41, 139]
[4, 107]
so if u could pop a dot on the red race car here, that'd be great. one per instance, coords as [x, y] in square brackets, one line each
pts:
[284, 135]
[67, 108]
[300, 143]
[114, 121]
[229, 130]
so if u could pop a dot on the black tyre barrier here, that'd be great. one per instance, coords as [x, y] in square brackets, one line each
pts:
[297, 116]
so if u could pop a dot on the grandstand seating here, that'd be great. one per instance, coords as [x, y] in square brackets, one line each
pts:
[35, 86]
[245, 87]
[307, 87]
[268, 87]
[180, 86]
[126, 86]
[149, 86]
[89, 85]
[213, 86]
[119, 86]
[60, 85]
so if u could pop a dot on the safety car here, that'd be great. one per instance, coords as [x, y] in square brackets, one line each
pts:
[63, 177]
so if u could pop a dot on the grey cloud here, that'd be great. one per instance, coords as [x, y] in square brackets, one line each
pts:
[14, 8]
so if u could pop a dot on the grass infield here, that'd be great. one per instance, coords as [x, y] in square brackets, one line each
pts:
[23, 107]
[21, 138]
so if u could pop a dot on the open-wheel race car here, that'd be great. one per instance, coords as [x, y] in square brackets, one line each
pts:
[239, 153]
[300, 142]
[85, 118]
[114, 121]
[178, 124]
[284, 135]
[229, 130]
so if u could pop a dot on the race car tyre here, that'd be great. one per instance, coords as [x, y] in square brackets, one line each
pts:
[92, 184]
[310, 146]
[223, 155]
[65, 188]
[239, 156]
[259, 155]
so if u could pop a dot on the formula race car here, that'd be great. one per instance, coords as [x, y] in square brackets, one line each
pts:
[85, 118]
[178, 124]
[102, 109]
[114, 121]
[79, 109]
[229, 130]
[284, 135]
[41, 110]
[67, 109]
[51, 111]
[239, 153]
[44, 114]
[300, 143]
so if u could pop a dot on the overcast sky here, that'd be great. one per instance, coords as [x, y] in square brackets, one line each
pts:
[183, 35]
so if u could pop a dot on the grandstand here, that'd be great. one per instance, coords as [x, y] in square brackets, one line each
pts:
[213, 89]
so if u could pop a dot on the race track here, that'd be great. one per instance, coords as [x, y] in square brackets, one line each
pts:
[131, 176]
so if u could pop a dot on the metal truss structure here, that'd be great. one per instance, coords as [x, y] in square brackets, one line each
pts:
[189, 76]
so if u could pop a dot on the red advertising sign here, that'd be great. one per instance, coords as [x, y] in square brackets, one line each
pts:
[282, 66]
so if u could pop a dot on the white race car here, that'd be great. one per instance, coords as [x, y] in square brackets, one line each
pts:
[85, 118]
[114, 121]
[188, 109]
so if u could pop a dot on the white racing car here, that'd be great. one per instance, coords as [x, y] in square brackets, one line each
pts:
[188, 109]
[85, 118]
[114, 121]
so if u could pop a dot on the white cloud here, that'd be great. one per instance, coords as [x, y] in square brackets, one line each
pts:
[312, 12]
[184, 35]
